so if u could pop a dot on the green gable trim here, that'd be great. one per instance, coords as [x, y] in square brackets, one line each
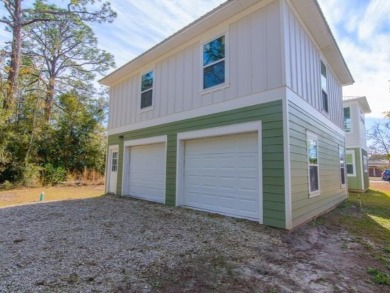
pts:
[271, 116]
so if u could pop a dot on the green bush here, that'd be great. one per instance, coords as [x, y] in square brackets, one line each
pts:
[6, 185]
[53, 175]
[31, 175]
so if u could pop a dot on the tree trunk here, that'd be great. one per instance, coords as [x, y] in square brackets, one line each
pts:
[49, 99]
[16, 56]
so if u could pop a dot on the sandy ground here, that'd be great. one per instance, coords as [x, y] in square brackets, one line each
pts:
[108, 244]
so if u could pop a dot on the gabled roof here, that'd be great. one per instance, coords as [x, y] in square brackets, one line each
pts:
[308, 10]
[362, 103]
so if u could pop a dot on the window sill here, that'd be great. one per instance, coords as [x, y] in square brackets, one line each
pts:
[147, 109]
[314, 194]
[214, 88]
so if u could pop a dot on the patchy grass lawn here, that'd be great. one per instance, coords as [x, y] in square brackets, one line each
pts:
[111, 244]
[32, 195]
[367, 216]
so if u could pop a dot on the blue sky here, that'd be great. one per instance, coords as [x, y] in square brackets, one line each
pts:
[361, 28]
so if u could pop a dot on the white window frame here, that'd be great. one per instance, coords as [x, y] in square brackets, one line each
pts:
[353, 162]
[225, 84]
[324, 87]
[350, 118]
[312, 136]
[343, 166]
[151, 89]
[365, 164]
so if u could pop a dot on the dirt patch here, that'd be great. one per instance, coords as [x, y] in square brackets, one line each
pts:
[108, 244]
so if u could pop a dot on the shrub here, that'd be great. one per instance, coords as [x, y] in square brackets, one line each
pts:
[53, 175]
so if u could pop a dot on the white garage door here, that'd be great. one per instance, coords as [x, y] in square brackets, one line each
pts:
[221, 175]
[147, 172]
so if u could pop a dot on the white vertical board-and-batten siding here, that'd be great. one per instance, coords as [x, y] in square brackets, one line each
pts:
[303, 69]
[253, 60]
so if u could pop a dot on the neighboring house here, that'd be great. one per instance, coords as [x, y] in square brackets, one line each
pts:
[239, 113]
[376, 167]
[356, 142]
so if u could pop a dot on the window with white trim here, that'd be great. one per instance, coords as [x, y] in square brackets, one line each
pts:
[324, 88]
[214, 63]
[347, 119]
[351, 165]
[147, 89]
[313, 169]
[365, 164]
[342, 164]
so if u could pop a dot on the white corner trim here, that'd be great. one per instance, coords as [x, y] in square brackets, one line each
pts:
[287, 166]
[211, 132]
[148, 140]
[251, 100]
[301, 103]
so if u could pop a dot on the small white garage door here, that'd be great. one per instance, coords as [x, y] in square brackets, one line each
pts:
[221, 175]
[147, 172]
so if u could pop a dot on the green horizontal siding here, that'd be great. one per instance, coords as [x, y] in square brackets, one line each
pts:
[271, 116]
[331, 191]
[356, 183]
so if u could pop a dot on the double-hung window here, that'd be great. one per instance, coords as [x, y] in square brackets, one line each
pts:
[147, 90]
[214, 62]
[347, 119]
[324, 88]
[342, 164]
[350, 158]
[312, 156]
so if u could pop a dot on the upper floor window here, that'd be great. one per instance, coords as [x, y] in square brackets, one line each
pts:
[214, 62]
[312, 156]
[324, 88]
[147, 90]
[347, 119]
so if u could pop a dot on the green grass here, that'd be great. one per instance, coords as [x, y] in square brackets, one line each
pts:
[367, 216]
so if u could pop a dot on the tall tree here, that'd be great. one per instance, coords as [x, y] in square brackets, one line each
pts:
[19, 17]
[66, 51]
[379, 137]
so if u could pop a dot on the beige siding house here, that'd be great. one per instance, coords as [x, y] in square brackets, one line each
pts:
[240, 113]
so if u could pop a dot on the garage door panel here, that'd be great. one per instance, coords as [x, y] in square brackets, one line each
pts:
[148, 172]
[221, 175]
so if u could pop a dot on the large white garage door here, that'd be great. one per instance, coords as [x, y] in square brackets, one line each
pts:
[221, 175]
[147, 172]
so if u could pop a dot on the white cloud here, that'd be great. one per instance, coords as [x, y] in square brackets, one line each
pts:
[142, 24]
[362, 30]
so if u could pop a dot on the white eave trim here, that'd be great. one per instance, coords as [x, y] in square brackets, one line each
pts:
[308, 10]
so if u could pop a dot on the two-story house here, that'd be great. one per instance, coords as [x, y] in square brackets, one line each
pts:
[355, 109]
[239, 113]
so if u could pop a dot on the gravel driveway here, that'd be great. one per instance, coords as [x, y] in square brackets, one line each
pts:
[110, 244]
